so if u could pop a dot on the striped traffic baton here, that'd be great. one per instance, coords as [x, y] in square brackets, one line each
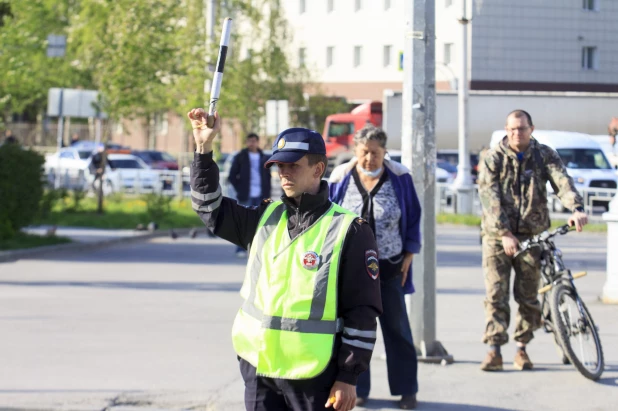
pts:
[216, 81]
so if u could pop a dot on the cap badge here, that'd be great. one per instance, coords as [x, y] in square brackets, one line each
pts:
[281, 143]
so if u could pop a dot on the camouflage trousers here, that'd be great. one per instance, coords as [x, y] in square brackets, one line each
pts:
[497, 270]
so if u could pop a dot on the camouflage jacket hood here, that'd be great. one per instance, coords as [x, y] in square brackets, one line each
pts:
[513, 193]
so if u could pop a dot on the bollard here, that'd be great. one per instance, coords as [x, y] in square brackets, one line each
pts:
[610, 289]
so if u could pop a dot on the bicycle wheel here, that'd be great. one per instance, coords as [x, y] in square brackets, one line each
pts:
[576, 332]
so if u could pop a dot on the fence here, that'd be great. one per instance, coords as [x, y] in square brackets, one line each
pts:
[594, 199]
[177, 183]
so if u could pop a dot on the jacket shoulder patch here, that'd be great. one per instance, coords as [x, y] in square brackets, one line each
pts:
[372, 264]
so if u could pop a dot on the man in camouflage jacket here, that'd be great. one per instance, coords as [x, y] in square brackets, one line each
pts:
[512, 182]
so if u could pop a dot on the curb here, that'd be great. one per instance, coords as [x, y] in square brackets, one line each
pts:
[13, 255]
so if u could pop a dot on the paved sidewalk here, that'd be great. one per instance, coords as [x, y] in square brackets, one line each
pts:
[86, 239]
[86, 235]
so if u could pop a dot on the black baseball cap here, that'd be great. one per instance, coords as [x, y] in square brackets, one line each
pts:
[294, 143]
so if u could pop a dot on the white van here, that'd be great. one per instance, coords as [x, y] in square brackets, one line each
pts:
[611, 152]
[584, 159]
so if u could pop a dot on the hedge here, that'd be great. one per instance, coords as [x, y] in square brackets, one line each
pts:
[21, 188]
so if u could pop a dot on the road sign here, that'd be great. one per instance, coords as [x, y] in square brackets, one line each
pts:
[74, 103]
[277, 116]
[56, 45]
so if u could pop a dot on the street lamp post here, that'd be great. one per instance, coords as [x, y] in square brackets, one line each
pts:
[463, 183]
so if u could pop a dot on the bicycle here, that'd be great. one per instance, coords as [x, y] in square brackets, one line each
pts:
[563, 312]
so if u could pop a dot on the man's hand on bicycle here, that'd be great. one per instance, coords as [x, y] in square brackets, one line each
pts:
[579, 219]
[510, 243]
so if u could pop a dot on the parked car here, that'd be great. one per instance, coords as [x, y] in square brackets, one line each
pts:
[442, 175]
[452, 156]
[69, 166]
[584, 160]
[158, 160]
[611, 152]
[448, 167]
[126, 172]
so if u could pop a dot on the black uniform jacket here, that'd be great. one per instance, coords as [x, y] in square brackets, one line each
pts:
[358, 300]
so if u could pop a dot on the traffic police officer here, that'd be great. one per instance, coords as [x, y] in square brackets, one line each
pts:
[307, 327]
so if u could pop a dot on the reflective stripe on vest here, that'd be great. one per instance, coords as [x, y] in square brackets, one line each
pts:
[287, 324]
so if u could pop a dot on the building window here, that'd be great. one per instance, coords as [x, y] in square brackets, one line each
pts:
[448, 3]
[387, 4]
[590, 58]
[301, 57]
[448, 53]
[302, 6]
[357, 5]
[386, 58]
[358, 51]
[329, 55]
[330, 5]
[592, 5]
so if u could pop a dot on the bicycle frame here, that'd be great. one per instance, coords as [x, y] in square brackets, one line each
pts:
[553, 270]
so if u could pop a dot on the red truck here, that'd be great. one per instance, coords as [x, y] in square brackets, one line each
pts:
[339, 128]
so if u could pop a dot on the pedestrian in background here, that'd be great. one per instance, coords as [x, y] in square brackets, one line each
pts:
[9, 138]
[381, 191]
[249, 177]
[311, 295]
[97, 165]
[512, 189]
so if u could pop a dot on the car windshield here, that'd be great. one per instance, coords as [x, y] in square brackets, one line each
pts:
[453, 158]
[340, 129]
[84, 154]
[445, 165]
[584, 158]
[124, 163]
[157, 156]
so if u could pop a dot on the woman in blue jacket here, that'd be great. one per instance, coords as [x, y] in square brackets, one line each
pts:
[381, 191]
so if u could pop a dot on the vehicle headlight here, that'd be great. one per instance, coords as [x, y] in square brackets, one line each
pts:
[579, 180]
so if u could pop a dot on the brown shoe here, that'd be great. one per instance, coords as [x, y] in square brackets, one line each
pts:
[492, 362]
[408, 402]
[522, 361]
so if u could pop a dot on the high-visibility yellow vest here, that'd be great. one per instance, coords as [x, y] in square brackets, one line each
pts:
[287, 325]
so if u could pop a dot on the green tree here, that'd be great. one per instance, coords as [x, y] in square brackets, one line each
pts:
[129, 47]
[26, 73]
[259, 68]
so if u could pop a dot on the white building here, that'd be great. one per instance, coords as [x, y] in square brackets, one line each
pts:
[353, 47]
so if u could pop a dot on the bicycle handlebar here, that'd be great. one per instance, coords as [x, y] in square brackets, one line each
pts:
[541, 238]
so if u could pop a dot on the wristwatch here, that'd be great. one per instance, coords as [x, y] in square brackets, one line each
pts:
[580, 209]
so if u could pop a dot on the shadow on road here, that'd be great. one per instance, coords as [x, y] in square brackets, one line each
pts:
[150, 286]
[154, 252]
[382, 404]
[461, 291]
[458, 259]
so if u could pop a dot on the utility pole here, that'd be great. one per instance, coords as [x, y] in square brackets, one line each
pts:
[463, 182]
[419, 154]
[59, 135]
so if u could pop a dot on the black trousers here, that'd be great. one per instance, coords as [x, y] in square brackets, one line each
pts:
[274, 394]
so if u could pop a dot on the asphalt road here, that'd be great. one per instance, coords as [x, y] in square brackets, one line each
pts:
[147, 326]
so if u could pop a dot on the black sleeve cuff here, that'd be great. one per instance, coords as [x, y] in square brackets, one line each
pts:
[203, 160]
[347, 377]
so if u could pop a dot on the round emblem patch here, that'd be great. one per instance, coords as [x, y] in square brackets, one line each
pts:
[310, 260]
[281, 144]
[372, 264]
